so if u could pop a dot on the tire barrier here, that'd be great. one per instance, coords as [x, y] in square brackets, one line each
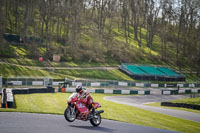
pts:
[7, 98]
[180, 91]
[105, 91]
[33, 90]
[182, 105]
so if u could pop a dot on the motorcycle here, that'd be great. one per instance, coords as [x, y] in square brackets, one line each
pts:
[77, 109]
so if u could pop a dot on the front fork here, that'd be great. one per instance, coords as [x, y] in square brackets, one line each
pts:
[72, 109]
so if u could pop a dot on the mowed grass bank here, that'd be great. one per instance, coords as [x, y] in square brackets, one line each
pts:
[195, 101]
[56, 103]
[31, 62]
[112, 74]
[7, 70]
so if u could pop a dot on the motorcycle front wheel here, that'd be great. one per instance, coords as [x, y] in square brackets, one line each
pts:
[70, 114]
[96, 120]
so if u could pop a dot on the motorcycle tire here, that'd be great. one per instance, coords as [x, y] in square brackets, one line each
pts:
[68, 110]
[96, 121]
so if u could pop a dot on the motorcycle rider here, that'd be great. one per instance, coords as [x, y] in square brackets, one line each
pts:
[84, 96]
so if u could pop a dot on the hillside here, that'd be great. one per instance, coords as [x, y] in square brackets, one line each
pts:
[98, 33]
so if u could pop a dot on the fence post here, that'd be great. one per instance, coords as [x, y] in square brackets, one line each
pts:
[26, 82]
[1, 82]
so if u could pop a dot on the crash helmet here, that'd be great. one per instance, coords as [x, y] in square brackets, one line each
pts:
[78, 88]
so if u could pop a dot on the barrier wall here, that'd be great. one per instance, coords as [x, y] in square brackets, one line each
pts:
[182, 91]
[140, 92]
[33, 90]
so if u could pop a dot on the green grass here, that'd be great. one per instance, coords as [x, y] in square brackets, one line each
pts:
[29, 62]
[96, 74]
[23, 62]
[195, 101]
[7, 70]
[83, 64]
[56, 103]
[192, 77]
[185, 100]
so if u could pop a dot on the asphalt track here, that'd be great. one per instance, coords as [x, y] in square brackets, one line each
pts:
[11, 122]
[139, 101]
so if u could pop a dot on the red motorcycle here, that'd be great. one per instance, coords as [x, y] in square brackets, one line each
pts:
[77, 109]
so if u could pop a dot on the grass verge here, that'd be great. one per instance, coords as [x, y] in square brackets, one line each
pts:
[56, 103]
[195, 101]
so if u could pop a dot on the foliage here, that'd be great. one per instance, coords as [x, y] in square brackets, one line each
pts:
[133, 31]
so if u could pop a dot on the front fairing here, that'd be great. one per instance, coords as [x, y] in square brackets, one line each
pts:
[72, 97]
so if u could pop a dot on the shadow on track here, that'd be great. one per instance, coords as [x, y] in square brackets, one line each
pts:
[103, 129]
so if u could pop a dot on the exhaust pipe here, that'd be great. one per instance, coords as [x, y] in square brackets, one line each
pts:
[99, 112]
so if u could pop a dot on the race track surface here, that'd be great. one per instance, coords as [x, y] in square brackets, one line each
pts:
[47, 123]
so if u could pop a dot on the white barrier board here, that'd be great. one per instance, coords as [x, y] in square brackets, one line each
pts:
[180, 85]
[194, 90]
[191, 85]
[16, 82]
[70, 90]
[166, 92]
[139, 84]
[108, 91]
[122, 83]
[95, 84]
[125, 91]
[154, 85]
[181, 91]
[76, 83]
[56, 83]
[141, 92]
[37, 82]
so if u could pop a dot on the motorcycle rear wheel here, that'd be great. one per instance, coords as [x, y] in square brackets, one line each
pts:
[96, 121]
[69, 116]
